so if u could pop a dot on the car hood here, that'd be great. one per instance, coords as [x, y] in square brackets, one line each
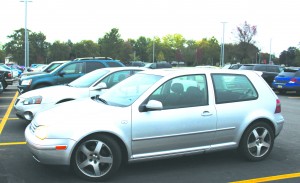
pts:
[77, 112]
[55, 93]
[39, 75]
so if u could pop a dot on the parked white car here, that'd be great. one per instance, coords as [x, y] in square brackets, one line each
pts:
[89, 85]
[158, 114]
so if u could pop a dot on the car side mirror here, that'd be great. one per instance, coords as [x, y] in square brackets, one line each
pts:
[100, 86]
[151, 106]
[61, 73]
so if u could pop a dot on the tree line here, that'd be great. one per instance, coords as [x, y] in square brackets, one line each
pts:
[168, 48]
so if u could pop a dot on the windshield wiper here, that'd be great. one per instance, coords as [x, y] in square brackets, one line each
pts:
[97, 97]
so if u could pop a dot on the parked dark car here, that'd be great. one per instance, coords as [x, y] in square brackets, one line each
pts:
[287, 80]
[269, 71]
[136, 64]
[1, 86]
[7, 77]
[158, 65]
[232, 66]
[65, 73]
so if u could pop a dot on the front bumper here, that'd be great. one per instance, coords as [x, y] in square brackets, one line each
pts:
[26, 112]
[44, 151]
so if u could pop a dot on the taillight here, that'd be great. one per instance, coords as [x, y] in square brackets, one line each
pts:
[278, 106]
[293, 80]
[9, 75]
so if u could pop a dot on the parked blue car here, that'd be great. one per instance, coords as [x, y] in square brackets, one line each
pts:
[287, 80]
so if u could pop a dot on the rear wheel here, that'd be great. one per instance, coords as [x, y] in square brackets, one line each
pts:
[96, 158]
[257, 142]
[282, 92]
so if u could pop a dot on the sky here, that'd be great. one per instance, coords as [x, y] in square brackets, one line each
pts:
[277, 21]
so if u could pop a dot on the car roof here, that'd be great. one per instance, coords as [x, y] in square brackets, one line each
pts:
[124, 68]
[60, 61]
[193, 70]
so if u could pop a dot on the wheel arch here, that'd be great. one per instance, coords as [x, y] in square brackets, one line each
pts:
[259, 120]
[119, 141]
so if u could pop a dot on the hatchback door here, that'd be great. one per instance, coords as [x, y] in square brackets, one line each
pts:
[187, 123]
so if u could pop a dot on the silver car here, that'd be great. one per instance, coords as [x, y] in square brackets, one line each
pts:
[158, 114]
[89, 85]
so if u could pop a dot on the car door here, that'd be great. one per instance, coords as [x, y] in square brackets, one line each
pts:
[70, 72]
[187, 123]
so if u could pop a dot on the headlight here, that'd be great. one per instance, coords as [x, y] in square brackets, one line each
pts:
[33, 100]
[41, 132]
[26, 82]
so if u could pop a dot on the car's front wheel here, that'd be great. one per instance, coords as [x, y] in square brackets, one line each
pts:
[96, 158]
[257, 141]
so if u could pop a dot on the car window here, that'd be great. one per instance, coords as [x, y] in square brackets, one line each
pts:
[51, 67]
[260, 68]
[126, 92]
[114, 64]
[184, 91]
[88, 79]
[233, 88]
[246, 67]
[273, 69]
[91, 66]
[115, 78]
[74, 68]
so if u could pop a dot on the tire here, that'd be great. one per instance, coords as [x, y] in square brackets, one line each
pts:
[282, 92]
[96, 158]
[257, 142]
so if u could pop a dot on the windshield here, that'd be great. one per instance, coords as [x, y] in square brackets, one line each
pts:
[88, 79]
[51, 67]
[127, 91]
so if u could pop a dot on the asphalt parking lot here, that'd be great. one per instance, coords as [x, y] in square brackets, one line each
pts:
[283, 165]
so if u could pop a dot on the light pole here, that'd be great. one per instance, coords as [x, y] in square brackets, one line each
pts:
[26, 36]
[222, 47]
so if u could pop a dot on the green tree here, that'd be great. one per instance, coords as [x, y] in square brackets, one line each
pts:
[2, 55]
[126, 51]
[172, 46]
[289, 57]
[58, 51]
[37, 47]
[111, 43]
[210, 51]
[86, 48]
[16, 46]
[140, 47]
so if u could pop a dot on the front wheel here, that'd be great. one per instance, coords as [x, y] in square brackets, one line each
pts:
[96, 158]
[257, 142]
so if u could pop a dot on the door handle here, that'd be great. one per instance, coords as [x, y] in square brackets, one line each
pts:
[206, 113]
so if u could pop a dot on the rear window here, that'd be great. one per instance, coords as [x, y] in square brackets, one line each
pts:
[246, 67]
[114, 64]
[91, 66]
[288, 73]
[233, 88]
[273, 69]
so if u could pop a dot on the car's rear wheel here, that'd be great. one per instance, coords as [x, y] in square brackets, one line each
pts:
[96, 158]
[257, 141]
